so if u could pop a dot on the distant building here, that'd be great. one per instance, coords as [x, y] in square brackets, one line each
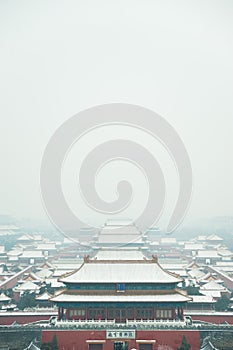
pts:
[120, 233]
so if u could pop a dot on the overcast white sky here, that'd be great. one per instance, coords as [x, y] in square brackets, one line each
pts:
[60, 57]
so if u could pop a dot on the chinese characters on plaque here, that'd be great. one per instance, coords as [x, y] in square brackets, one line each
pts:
[121, 334]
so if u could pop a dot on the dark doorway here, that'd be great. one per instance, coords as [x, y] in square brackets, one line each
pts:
[145, 347]
[95, 346]
[120, 345]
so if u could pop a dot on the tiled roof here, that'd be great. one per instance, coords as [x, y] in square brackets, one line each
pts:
[212, 285]
[119, 254]
[44, 297]
[204, 299]
[120, 297]
[120, 272]
[27, 286]
[4, 297]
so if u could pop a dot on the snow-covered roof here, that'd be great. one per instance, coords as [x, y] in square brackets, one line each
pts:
[214, 293]
[193, 246]
[32, 254]
[46, 246]
[120, 272]
[208, 254]
[212, 285]
[44, 273]
[214, 238]
[154, 243]
[2, 249]
[8, 227]
[168, 240]
[119, 232]
[27, 286]
[196, 273]
[201, 238]
[204, 299]
[191, 265]
[65, 297]
[4, 297]
[225, 252]
[67, 266]
[119, 254]
[119, 228]
[25, 237]
[15, 252]
[121, 239]
[44, 297]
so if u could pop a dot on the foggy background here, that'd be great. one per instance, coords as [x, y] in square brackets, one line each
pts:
[60, 57]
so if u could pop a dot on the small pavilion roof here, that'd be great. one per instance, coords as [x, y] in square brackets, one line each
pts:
[213, 293]
[44, 297]
[4, 297]
[214, 237]
[212, 285]
[25, 237]
[27, 286]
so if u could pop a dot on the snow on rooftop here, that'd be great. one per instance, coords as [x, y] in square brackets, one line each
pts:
[27, 286]
[44, 297]
[120, 272]
[119, 238]
[214, 237]
[194, 246]
[46, 246]
[208, 254]
[44, 273]
[196, 273]
[120, 298]
[225, 252]
[4, 297]
[117, 228]
[207, 299]
[201, 238]
[32, 254]
[2, 249]
[25, 237]
[212, 285]
[8, 227]
[119, 254]
[168, 240]
[213, 293]
[15, 252]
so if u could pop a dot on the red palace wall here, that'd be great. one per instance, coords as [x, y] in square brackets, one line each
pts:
[22, 319]
[160, 340]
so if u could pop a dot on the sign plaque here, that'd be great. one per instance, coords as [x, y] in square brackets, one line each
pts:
[120, 334]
